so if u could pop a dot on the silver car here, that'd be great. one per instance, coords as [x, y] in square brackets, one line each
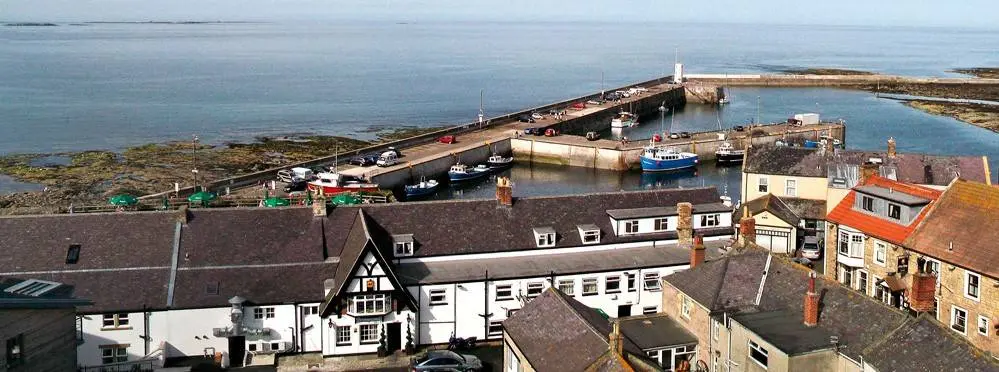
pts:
[811, 248]
[446, 360]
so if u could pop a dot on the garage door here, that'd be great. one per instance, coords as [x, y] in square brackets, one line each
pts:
[777, 241]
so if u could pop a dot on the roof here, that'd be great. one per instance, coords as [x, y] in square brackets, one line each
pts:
[480, 226]
[646, 212]
[563, 263]
[655, 331]
[845, 214]
[786, 331]
[233, 236]
[59, 296]
[890, 194]
[964, 216]
[213, 287]
[774, 205]
[915, 168]
[721, 284]
[925, 344]
[806, 208]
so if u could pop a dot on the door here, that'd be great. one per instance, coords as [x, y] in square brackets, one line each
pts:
[237, 351]
[393, 334]
[776, 241]
[623, 310]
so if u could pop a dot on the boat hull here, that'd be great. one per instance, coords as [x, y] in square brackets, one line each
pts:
[332, 190]
[729, 157]
[412, 192]
[500, 164]
[461, 177]
[653, 165]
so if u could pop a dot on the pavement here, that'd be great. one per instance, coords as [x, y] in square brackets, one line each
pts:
[491, 355]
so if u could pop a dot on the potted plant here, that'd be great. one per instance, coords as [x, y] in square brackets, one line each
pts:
[382, 348]
[410, 348]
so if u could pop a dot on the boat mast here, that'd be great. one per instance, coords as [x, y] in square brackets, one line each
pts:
[481, 116]
[757, 109]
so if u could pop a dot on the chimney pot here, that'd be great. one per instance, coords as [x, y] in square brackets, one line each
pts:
[811, 308]
[504, 192]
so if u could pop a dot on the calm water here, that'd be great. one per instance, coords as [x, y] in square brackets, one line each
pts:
[111, 86]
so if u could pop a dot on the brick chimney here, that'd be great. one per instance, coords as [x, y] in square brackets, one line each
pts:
[811, 303]
[697, 254]
[747, 227]
[504, 192]
[829, 147]
[891, 147]
[685, 225]
[924, 287]
[319, 207]
[868, 169]
[616, 340]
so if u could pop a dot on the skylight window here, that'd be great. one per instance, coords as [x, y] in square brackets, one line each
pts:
[73, 254]
[32, 287]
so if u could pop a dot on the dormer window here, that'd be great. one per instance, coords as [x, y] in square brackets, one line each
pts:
[894, 211]
[589, 234]
[403, 245]
[867, 203]
[631, 227]
[545, 236]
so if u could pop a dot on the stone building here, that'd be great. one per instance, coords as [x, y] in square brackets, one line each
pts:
[38, 326]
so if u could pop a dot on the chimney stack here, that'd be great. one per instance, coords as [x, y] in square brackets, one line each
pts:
[924, 288]
[747, 227]
[829, 147]
[811, 303]
[616, 342]
[319, 207]
[891, 147]
[685, 225]
[867, 170]
[504, 192]
[182, 215]
[697, 254]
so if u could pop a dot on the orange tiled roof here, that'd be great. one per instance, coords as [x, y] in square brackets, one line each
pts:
[878, 227]
[962, 228]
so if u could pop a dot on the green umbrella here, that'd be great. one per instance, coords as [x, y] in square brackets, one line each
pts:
[202, 196]
[122, 200]
[345, 199]
[602, 313]
[276, 202]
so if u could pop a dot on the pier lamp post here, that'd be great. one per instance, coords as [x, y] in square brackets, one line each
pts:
[194, 162]
[662, 115]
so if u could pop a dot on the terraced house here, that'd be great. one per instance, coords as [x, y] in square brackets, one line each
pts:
[239, 285]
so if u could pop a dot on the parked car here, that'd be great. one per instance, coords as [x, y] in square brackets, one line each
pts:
[674, 136]
[446, 360]
[594, 102]
[592, 136]
[363, 160]
[802, 261]
[551, 132]
[296, 185]
[811, 248]
[739, 128]
[288, 175]
[526, 118]
[613, 96]
[684, 134]
[398, 153]
[449, 139]
[531, 130]
[537, 116]
[387, 159]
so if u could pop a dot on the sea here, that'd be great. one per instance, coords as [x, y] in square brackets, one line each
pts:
[110, 86]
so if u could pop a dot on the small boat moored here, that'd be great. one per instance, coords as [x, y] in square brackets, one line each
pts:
[497, 161]
[624, 120]
[727, 153]
[662, 158]
[331, 183]
[461, 172]
[423, 188]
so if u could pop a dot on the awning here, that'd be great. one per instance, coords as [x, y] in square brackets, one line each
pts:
[893, 283]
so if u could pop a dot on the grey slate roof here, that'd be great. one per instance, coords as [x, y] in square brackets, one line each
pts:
[786, 331]
[116, 290]
[723, 284]
[924, 344]
[915, 168]
[655, 331]
[297, 283]
[772, 204]
[234, 236]
[806, 208]
[479, 226]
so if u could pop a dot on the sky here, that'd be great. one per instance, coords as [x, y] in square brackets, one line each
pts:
[918, 13]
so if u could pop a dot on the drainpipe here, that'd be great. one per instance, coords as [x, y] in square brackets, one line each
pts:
[728, 353]
[145, 329]
[299, 324]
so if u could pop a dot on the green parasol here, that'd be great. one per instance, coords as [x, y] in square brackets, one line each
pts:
[123, 200]
[276, 202]
[345, 199]
[202, 197]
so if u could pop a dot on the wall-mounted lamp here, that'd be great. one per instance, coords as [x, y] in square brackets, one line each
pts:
[330, 323]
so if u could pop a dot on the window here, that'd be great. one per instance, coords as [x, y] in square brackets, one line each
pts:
[114, 354]
[534, 289]
[567, 286]
[846, 275]
[251, 346]
[263, 312]
[438, 297]
[880, 250]
[652, 282]
[971, 285]
[792, 188]
[650, 310]
[709, 220]
[867, 203]
[212, 288]
[851, 245]
[983, 325]
[589, 286]
[661, 224]
[612, 284]
[403, 249]
[862, 281]
[368, 333]
[495, 328]
[15, 350]
[73, 254]
[685, 306]
[895, 211]
[310, 310]
[275, 346]
[343, 335]
[958, 319]
[369, 304]
[764, 184]
[882, 293]
[631, 282]
[514, 365]
[591, 237]
[114, 321]
[545, 236]
[715, 329]
[504, 292]
[631, 227]
[758, 353]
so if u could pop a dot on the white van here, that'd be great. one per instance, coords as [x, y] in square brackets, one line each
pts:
[387, 159]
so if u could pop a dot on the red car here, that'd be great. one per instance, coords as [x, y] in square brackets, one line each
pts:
[579, 105]
[447, 139]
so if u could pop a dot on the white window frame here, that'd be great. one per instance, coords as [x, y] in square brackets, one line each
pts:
[880, 253]
[660, 224]
[534, 289]
[983, 323]
[897, 207]
[652, 278]
[508, 288]
[495, 329]
[567, 286]
[763, 185]
[368, 304]
[343, 335]
[710, 220]
[967, 286]
[115, 321]
[595, 285]
[685, 306]
[647, 310]
[855, 249]
[590, 236]
[953, 319]
[612, 279]
[546, 240]
[791, 188]
[760, 349]
[437, 296]
[631, 227]
[361, 333]
[630, 281]
[867, 281]
[117, 354]
[715, 329]
[403, 249]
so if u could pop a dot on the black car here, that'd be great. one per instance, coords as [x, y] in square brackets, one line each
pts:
[739, 128]
[684, 134]
[363, 160]
[526, 118]
[296, 185]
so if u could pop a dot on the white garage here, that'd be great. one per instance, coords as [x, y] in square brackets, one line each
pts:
[776, 223]
[779, 241]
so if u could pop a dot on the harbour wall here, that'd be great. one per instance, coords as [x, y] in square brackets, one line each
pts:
[670, 95]
[782, 80]
[437, 166]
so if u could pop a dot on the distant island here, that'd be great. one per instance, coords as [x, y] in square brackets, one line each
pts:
[166, 22]
[30, 24]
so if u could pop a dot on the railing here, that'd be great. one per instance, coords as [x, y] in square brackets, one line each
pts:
[222, 202]
[133, 366]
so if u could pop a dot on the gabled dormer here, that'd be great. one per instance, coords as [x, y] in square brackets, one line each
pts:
[403, 245]
[589, 233]
[545, 237]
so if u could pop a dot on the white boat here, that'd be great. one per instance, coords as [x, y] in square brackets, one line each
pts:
[330, 183]
[727, 153]
[497, 161]
[624, 120]
[723, 101]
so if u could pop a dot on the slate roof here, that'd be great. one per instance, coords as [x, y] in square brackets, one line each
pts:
[786, 331]
[549, 323]
[621, 214]
[723, 284]
[774, 205]
[965, 216]
[234, 236]
[655, 331]
[925, 344]
[806, 208]
[116, 290]
[915, 168]
[845, 214]
[480, 226]
[259, 285]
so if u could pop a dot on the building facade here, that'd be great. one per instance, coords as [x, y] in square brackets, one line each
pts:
[37, 326]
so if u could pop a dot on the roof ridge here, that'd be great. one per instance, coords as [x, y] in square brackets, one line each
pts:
[565, 301]
[546, 197]
[717, 292]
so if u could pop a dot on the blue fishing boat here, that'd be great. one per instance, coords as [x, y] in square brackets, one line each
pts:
[461, 172]
[661, 158]
[423, 188]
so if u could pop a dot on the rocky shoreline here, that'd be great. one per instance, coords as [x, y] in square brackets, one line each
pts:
[985, 116]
